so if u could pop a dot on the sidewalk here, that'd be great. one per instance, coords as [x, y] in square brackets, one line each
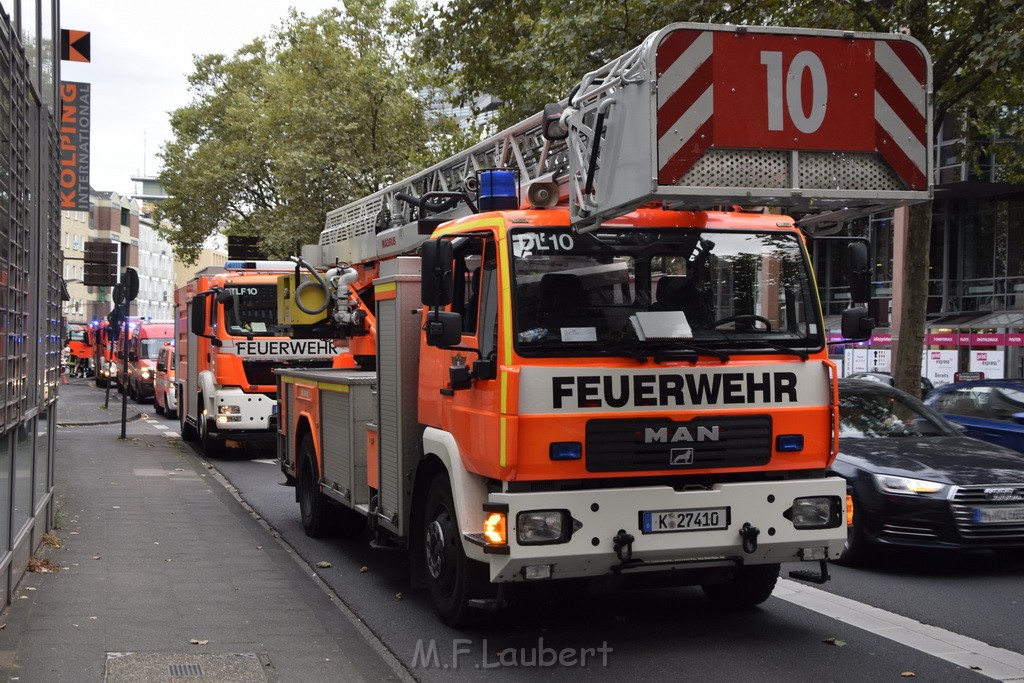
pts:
[163, 576]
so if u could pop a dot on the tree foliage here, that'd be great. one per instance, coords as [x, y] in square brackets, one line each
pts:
[307, 119]
[531, 52]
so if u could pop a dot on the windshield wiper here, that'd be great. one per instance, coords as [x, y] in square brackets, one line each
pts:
[689, 351]
[627, 350]
[760, 343]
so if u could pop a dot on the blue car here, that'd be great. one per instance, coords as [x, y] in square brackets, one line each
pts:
[988, 409]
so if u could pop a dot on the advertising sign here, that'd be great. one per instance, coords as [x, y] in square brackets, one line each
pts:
[75, 114]
[992, 363]
[939, 366]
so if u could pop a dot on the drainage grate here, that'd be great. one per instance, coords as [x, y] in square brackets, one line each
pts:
[165, 667]
[185, 670]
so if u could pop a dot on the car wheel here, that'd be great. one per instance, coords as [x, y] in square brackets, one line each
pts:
[749, 587]
[451, 576]
[171, 412]
[858, 548]
[157, 406]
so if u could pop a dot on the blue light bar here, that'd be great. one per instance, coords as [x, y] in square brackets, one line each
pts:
[789, 443]
[565, 450]
[498, 190]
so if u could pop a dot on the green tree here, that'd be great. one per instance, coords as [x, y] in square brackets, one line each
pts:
[316, 115]
[531, 52]
[977, 51]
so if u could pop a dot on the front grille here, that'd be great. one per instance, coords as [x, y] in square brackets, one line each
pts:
[663, 444]
[260, 372]
[968, 499]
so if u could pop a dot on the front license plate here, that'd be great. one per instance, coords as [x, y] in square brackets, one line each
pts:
[997, 515]
[699, 519]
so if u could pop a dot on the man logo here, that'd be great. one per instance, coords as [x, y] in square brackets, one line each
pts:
[680, 456]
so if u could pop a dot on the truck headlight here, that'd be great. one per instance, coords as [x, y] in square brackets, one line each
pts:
[540, 527]
[815, 512]
[145, 374]
[229, 413]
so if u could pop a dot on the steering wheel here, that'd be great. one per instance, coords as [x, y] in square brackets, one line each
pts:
[749, 318]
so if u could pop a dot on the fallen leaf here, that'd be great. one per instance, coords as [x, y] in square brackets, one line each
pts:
[364, 569]
[398, 596]
[42, 566]
[835, 641]
[324, 565]
[199, 642]
[908, 674]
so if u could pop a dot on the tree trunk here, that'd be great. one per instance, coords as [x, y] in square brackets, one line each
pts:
[907, 368]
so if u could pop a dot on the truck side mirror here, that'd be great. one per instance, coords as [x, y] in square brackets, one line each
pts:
[856, 324]
[197, 313]
[859, 272]
[443, 329]
[438, 282]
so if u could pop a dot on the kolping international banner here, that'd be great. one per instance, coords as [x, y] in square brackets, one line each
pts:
[75, 113]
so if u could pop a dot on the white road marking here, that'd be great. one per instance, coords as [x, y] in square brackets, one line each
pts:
[993, 662]
[266, 461]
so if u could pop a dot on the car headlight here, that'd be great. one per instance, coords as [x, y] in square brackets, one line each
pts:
[896, 484]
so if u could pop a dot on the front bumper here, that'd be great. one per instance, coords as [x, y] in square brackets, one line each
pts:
[255, 412]
[600, 516]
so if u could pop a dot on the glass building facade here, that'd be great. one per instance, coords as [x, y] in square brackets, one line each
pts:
[30, 286]
[975, 316]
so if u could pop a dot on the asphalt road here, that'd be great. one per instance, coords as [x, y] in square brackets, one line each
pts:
[674, 634]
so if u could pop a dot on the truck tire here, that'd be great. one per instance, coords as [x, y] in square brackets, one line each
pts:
[188, 432]
[750, 586]
[212, 445]
[171, 413]
[451, 576]
[158, 407]
[314, 507]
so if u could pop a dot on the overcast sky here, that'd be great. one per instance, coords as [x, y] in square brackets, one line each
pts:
[141, 56]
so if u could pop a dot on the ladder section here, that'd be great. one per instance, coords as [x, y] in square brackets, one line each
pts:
[355, 232]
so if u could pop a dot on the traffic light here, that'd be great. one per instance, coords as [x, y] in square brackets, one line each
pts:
[100, 263]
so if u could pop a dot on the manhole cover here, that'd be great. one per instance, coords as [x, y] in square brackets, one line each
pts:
[182, 667]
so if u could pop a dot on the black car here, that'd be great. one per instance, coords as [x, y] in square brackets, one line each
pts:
[887, 378]
[913, 478]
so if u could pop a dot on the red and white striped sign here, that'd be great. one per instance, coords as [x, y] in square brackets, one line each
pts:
[777, 91]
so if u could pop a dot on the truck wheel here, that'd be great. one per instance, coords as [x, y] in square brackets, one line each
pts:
[188, 432]
[451, 576]
[171, 412]
[314, 507]
[157, 406]
[749, 587]
[212, 446]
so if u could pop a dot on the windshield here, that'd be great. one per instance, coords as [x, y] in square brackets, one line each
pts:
[150, 348]
[864, 415]
[662, 290]
[254, 311]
